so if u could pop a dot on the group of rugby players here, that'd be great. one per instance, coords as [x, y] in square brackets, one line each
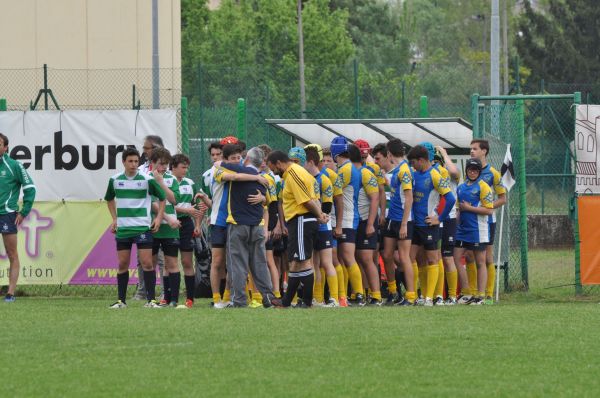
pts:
[407, 209]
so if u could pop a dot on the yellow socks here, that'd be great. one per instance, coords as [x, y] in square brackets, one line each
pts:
[491, 280]
[392, 288]
[332, 282]
[355, 278]
[410, 296]
[318, 291]
[432, 277]
[346, 279]
[415, 269]
[423, 280]
[452, 279]
[376, 295]
[439, 286]
[216, 297]
[339, 270]
[472, 276]
[277, 294]
[256, 296]
[227, 295]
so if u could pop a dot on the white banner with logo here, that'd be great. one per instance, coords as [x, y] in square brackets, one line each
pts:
[71, 155]
[587, 129]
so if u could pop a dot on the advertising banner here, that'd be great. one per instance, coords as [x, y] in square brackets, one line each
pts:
[71, 154]
[587, 127]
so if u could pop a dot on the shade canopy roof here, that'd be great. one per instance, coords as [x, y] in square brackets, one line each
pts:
[454, 134]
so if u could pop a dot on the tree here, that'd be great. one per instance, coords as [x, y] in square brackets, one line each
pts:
[560, 44]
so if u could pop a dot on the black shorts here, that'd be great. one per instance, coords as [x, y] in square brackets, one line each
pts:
[7, 223]
[428, 237]
[392, 230]
[280, 245]
[364, 242]
[302, 233]
[348, 236]
[448, 234]
[186, 234]
[492, 227]
[323, 241]
[476, 247]
[269, 242]
[169, 246]
[218, 236]
[142, 241]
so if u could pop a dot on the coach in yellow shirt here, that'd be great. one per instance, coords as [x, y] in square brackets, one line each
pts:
[302, 213]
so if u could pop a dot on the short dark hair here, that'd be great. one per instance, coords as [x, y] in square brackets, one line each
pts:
[179, 158]
[354, 154]
[160, 154]
[155, 140]
[327, 151]
[4, 139]
[312, 155]
[129, 151]
[396, 147]
[483, 144]
[380, 148]
[231, 149]
[278, 156]
[215, 145]
[418, 152]
[242, 145]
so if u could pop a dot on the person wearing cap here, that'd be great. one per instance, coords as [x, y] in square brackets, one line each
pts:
[328, 168]
[365, 154]
[347, 217]
[476, 204]
[366, 235]
[449, 227]
[428, 188]
[302, 212]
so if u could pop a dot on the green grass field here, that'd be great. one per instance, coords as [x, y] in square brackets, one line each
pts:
[542, 343]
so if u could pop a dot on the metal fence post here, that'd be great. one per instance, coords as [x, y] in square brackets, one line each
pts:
[424, 107]
[403, 113]
[356, 97]
[522, 192]
[241, 119]
[475, 115]
[2, 104]
[185, 131]
[578, 287]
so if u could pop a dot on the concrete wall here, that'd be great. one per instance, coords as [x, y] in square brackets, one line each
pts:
[549, 231]
[88, 37]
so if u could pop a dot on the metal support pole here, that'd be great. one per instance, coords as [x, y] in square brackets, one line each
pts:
[133, 97]
[521, 180]
[424, 107]
[475, 115]
[578, 287]
[241, 119]
[2, 104]
[403, 112]
[301, 62]
[185, 130]
[356, 97]
[45, 87]
[155, 60]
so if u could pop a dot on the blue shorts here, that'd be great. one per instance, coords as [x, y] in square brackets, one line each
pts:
[492, 227]
[323, 240]
[169, 246]
[218, 236]
[186, 234]
[448, 233]
[142, 241]
[7, 223]
[364, 242]
[476, 247]
[426, 236]
[348, 236]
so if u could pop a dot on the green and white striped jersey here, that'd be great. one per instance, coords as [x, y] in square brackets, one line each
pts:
[165, 231]
[133, 198]
[187, 191]
[13, 178]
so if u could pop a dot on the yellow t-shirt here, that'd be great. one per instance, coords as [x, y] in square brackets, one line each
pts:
[299, 187]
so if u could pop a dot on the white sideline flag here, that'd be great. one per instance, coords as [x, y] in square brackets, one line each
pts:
[507, 171]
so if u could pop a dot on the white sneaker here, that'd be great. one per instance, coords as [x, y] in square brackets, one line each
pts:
[450, 301]
[152, 304]
[222, 304]
[119, 304]
[331, 303]
[420, 301]
[428, 302]
[316, 303]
